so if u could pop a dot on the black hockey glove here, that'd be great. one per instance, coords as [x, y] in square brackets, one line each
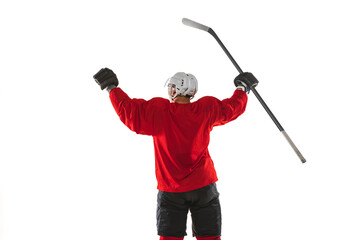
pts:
[246, 80]
[106, 77]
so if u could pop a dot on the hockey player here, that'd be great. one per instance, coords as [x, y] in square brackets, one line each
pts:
[181, 131]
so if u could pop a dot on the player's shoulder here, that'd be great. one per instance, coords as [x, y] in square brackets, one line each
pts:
[208, 103]
[207, 100]
[159, 102]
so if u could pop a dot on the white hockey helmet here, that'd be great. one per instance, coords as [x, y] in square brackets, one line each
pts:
[182, 84]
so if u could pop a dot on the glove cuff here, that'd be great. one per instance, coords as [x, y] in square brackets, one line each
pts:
[243, 88]
[109, 88]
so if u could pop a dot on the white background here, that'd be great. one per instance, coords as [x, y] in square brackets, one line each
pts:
[69, 169]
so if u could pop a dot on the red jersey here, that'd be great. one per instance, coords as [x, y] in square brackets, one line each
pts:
[181, 134]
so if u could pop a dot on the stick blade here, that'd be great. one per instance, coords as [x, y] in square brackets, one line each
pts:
[194, 24]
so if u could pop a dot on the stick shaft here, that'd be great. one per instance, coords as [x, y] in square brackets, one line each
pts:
[225, 50]
[267, 109]
[272, 116]
[303, 160]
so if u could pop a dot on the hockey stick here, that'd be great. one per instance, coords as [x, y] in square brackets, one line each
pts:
[193, 24]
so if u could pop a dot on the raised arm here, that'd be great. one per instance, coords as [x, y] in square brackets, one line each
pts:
[137, 114]
[229, 109]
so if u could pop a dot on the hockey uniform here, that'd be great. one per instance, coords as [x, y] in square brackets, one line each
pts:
[181, 134]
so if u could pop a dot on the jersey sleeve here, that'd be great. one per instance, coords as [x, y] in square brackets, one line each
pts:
[229, 109]
[138, 115]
